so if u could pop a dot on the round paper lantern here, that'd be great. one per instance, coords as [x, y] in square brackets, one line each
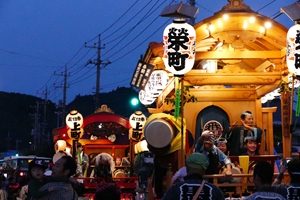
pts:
[293, 49]
[157, 82]
[60, 145]
[145, 97]
[179, 39]
[137, 117]
[74, 121]
[74, 117]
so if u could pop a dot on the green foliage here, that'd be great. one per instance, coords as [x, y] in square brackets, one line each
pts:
[284, 87]
[187, 97]
[17, 116]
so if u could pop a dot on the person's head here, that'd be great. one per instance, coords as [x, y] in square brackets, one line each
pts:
[222, 144]
[263, 174]
[118, 161]
[294, 170]
[207, 139]
[64, 167]
[251, 144]
[108, 191]
[196, 163]
[79, 147]
[247, 118]
[36, 169]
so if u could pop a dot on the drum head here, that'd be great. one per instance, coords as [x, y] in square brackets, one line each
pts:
[159, 133]
[119, 173]
[234, 170]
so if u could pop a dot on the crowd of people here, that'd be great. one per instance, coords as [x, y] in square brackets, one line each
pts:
[210, 156]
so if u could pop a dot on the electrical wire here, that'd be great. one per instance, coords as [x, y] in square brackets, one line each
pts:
[115, 21]
[134, 38]
[266, 5]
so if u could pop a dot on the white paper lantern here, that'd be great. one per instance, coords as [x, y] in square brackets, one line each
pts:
[74, 121]
[179, 39]
[145, 97]
[60, 145]
[137, 121]
[157, 82]
[293, 49]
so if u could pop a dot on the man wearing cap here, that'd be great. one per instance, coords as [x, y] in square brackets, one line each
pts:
[291, 190]
[205, 145]
[236, 135]
[193, 184]
[82, 159]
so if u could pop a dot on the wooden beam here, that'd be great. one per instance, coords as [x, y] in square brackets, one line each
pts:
[238, 55]
[196, 78]
[225, 94]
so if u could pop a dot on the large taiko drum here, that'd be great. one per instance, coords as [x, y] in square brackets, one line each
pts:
[159, 134]
[234, 170]
[119, 173]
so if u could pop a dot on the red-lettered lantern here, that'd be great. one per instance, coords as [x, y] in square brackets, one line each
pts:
[74, 121]
[157, 82]
[179, 41]
[293, 49]
[137, 121]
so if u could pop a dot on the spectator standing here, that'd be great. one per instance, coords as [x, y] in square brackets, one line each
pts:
[65, 167]
[193, 184]
[82, 159]
[262, 179]
[292, 190]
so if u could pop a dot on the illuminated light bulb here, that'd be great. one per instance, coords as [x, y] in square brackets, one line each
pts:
[268, 25]
[261, 29]
[252, 19]
[211, 27]
[245, 25]
[225, 17]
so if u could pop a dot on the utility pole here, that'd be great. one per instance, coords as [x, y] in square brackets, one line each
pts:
[97, 62]
[58, 112]
[17, 144]
[36, 125]
[8, 139]
[64, 86]
[44, 124]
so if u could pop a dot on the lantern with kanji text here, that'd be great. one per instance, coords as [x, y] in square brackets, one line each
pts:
[137, 121]
[179, 40]
[74, 121]
[293, 49]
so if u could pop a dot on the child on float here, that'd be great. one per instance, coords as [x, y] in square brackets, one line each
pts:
[36, 172]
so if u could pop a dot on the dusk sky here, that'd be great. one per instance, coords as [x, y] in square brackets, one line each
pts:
[38, 38]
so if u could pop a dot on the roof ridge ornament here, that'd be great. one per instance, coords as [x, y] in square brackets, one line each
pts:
[236, 6]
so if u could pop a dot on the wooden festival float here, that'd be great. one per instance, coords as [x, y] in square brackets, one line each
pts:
[238, 61]
[103, 132]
